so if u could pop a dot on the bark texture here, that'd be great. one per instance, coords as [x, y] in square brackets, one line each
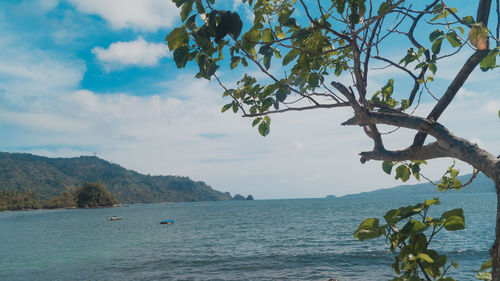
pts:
[495, 250]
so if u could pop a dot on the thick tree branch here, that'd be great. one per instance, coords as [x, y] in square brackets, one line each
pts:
[427, 152]
[456, 147]
[452, 90]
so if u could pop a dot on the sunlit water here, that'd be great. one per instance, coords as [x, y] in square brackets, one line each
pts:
[309, 239]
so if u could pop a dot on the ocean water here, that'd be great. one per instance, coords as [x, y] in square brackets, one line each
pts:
[302, 239]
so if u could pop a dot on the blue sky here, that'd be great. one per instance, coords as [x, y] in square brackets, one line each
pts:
[79, 77]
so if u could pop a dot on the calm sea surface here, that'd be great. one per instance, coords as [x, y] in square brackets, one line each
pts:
[310, 239]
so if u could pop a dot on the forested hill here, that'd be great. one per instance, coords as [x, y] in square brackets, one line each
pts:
[481, 184]
[49, 177]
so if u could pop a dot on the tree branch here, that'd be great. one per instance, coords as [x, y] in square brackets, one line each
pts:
[298, 109]
[456, 147]
[452, 90]
[427, 152]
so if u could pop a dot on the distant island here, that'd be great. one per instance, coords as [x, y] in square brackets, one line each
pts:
[481, 184]
[241, 197]
[40, 178]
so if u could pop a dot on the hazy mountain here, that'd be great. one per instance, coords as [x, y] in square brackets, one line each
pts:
[49, 177]
[480, 185]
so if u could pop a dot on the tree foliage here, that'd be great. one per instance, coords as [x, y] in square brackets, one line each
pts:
[320, 54]
[92, 195]
[15, 200]
[409, 231]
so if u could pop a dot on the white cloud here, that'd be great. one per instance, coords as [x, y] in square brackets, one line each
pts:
[146, 15]
[137, 52]
[35, 73]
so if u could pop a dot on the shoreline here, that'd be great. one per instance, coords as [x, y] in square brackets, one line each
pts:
[67, 208]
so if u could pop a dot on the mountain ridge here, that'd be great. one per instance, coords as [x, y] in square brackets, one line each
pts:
[481, 184]
[50, 177]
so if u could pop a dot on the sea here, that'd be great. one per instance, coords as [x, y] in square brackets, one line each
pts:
[296, 239]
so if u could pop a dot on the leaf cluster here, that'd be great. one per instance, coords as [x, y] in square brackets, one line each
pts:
[409, 231]
[404, 170]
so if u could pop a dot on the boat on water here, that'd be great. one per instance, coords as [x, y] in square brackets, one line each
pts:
[167, 222]
[114, 218]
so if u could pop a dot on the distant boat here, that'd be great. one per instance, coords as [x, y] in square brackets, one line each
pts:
[167, 222]
[114, 218]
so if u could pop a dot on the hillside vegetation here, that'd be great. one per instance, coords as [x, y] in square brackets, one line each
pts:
[51, 177]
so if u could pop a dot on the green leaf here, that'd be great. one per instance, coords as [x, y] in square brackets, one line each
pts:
[387, 167]
[280, 34]
[202, 39]
[453, 39]
[264, 129]
[290, 56]
[199, 7]
[430, 202]
[234, 62]
[436, 46]
[232, 23]
[455, 219]
[282, 93]
[441, 15]
[267, 61]
[433, 67]
[235, 107]
[191, 23]
[420, 243]
[425, 257]
[435, 35]
[468, 19]
[369, 223]
[267, 35]
[368, 229]
[403, 173]
[384, 7]
[226, 107]
[486, 265]
[253, 35]
[313, 80]
[256, 121]
[413, 226]
[177, 38]
[181, 56]
[490, 61]
[187, 8]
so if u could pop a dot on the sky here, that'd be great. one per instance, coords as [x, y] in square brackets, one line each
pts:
[93, 77]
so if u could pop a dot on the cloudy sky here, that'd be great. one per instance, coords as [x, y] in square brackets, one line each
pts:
[85, 77]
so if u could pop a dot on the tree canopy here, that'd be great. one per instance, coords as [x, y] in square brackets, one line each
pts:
[325, 58]
[94, 195]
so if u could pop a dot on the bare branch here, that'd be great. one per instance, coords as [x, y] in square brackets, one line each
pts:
[475, 172]
[397, 66]
[298, 109]
[227, 91]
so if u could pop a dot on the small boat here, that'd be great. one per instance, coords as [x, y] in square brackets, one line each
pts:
[114, 218]
[167, 222]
